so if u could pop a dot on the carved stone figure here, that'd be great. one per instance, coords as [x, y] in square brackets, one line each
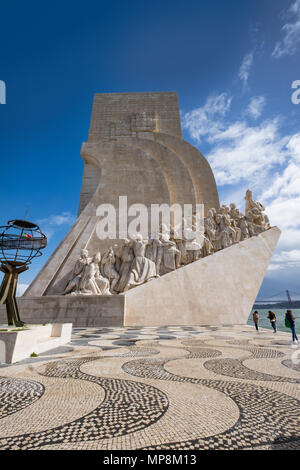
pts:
[210, 230]
[170, 255]
[88, 283]
[101, 282]
[108, 270]
[224, 229]
[74, 283]
[135, 262]
[194, 251]
[126, 257]
[142, 269]
[251, 205]
[242, 224]
[256, 220]
[87, 278]
[250, 223]
[260, 219]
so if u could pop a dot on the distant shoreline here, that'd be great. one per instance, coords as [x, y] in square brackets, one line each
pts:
[295, 304]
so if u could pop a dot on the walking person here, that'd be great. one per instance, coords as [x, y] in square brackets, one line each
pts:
[255, 319]
[272, 318]
[290, 323]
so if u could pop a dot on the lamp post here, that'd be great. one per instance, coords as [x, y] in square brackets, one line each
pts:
[20, 242]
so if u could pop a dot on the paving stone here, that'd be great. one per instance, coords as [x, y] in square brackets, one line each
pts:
[184, 388]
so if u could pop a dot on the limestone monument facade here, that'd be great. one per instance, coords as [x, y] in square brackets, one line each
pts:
[135, 149]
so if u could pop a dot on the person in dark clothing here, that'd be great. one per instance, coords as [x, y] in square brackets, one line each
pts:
[290, 321]
[272, 318]
[255, 319]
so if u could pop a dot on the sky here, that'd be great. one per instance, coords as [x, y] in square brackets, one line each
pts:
[232, 64]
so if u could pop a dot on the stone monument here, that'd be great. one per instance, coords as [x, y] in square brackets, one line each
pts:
[135, 151]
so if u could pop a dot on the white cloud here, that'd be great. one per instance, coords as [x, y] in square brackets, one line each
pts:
[273, 267]
[246, 67]
[239, 152]
[260, 157]
[291, 33]
[282, 200]
[290, 239]
[294, 147]
[285, 212]
[256, 106]
[56, 220]
[21, 288]
[284, 185]
[51, 224]
[202, 122]
[292, 255]
[282, 197]
[244, 152]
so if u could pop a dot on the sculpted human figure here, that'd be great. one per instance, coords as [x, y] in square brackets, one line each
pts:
[210, 229]
[117, 249]
[224, 229]
[181, 246]
[126, 257]
[257, 207]
[152, 249]
[74, 283]
[233, 210]
[236, 235]
[258, 220]
[142, 269]
[194, 251]
[207, 248]
[101, 282]
[250, 204]
[178, 237]
[242, 224]
[234, 223]
[170, 255]
[233, 230]
[250, 223]
[88, 283]
[194, 238]
[108, 270]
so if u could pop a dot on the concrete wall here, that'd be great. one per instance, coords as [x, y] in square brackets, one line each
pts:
[128, 114]
[82, 310]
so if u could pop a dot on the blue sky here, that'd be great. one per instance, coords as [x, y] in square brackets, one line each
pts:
[232, 64]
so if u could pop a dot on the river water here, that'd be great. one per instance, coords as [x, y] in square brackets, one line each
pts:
[280, 315]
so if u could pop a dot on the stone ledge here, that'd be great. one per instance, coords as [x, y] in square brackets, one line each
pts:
[18, 345]
[81, 310]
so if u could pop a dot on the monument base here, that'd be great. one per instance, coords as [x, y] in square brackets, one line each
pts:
[215, 290]
[16, 345]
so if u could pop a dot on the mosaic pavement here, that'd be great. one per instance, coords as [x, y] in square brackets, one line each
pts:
[155, 388]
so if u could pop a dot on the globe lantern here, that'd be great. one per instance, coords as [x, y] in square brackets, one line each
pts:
[20, 242]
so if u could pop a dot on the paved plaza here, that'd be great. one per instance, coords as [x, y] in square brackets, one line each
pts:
[155, 388]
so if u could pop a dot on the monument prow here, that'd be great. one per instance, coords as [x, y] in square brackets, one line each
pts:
[135, 151]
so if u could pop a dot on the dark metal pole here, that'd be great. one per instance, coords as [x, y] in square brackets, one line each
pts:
[289, 297]
[8, 292]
